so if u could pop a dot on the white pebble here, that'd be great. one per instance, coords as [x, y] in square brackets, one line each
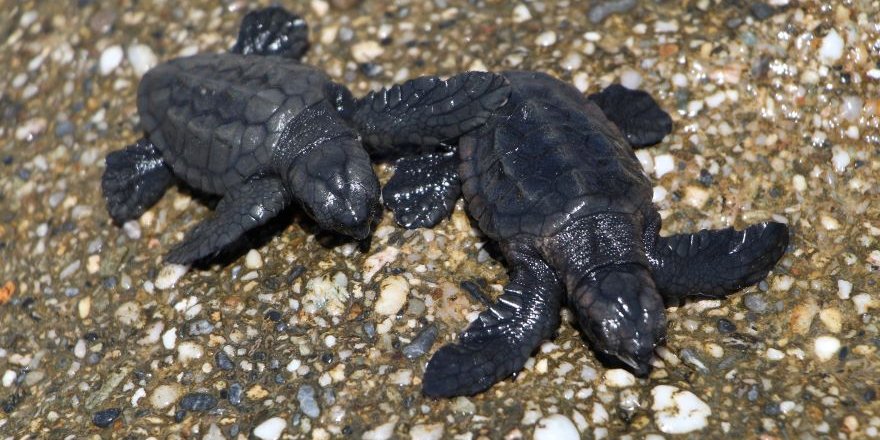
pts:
[546, 38]
[392, 295]
[188, 351]
[661, 26]
[169, 339]
[556, 427]
[79, 350]
[680, 80]
[659, 194]
[619, 378]
[9, 377]
[631, 79]
[366, 51]
[826, 347]
[599, 414]
[137, 396]
[84, 306]
[141, 58]
[863, 302]
[572, 61]
[716, 99]
[581, 81]
[270, 429]
[840, 159]
[774, 354]
[381, 432]
[829, 223]
[799, 183]
[844, 288]
[129, 313]
[851, 107]
[164, 395]
[153, 334]
[832, 47]
[678, 411]
[377, 261]
[663, 164]
[169, 274]
[521, 14]
[433, 431]
[696, 196]
[401, 377]
[110, 59]
[646, 160]
[253, 259]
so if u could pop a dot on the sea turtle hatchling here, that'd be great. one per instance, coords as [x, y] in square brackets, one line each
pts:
[553, 177]
[263, 130]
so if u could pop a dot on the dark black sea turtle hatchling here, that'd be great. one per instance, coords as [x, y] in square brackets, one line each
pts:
[263, 130]
[553, 178]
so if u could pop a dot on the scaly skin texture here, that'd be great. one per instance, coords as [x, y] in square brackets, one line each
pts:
[263, 131]
[559, 186]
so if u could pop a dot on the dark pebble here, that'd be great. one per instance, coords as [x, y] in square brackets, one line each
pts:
[234, 430]
[726, 326]
[772, 409]
[198, 402]
[7, 160]
[295, 273]
[273, 315]
[222, 361]
[370, 329]
[327, 358]
[180, 415]
[752, 395]
[105, 418]
[706, 177]
[12, 402]
[870, 395]
[24, 174]
[601, 10]
[234, 393]
[371, 69]
[421, 343]
[761, 11]
[109, 282]
[64, 128]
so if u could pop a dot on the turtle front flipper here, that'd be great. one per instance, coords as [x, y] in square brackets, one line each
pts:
[499, 342]
[635, 113]
[422, 113]
[272, 31]
[251, 204]
[424, 189]
[715, 263]
[134, 180]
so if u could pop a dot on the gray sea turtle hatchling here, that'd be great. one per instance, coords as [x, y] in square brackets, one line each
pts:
[553, 177]
[263, 130]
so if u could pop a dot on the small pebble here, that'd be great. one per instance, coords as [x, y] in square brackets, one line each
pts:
[105, 418]
[270, 429]
[308, 405]
[601, 10]
[755, 302]
[546, 39]
[234, 393]
[521, 13]
[826, 347]
[110, 59]
[366, 51]
[164, 395]
[141, 58]
[663, 164]
[832, 47]
[619, 378]
[556, 427]
[844, 289]
[678, 411]
[253, 259]
[222, 361]
[392, 295]
[631, 79]
[421, 343]
[382, 432]
[198, 402]
[169, 274]
[433, 431]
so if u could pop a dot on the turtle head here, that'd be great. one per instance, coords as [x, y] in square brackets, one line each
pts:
[337, 186]
[622, 314]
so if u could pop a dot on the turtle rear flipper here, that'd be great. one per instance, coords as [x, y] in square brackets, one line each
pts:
[422, 113]
[715, 263]
[136, 177]
[423, 190]
[499, 342]
[272, 31]
[635, 113]
[243, 208]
